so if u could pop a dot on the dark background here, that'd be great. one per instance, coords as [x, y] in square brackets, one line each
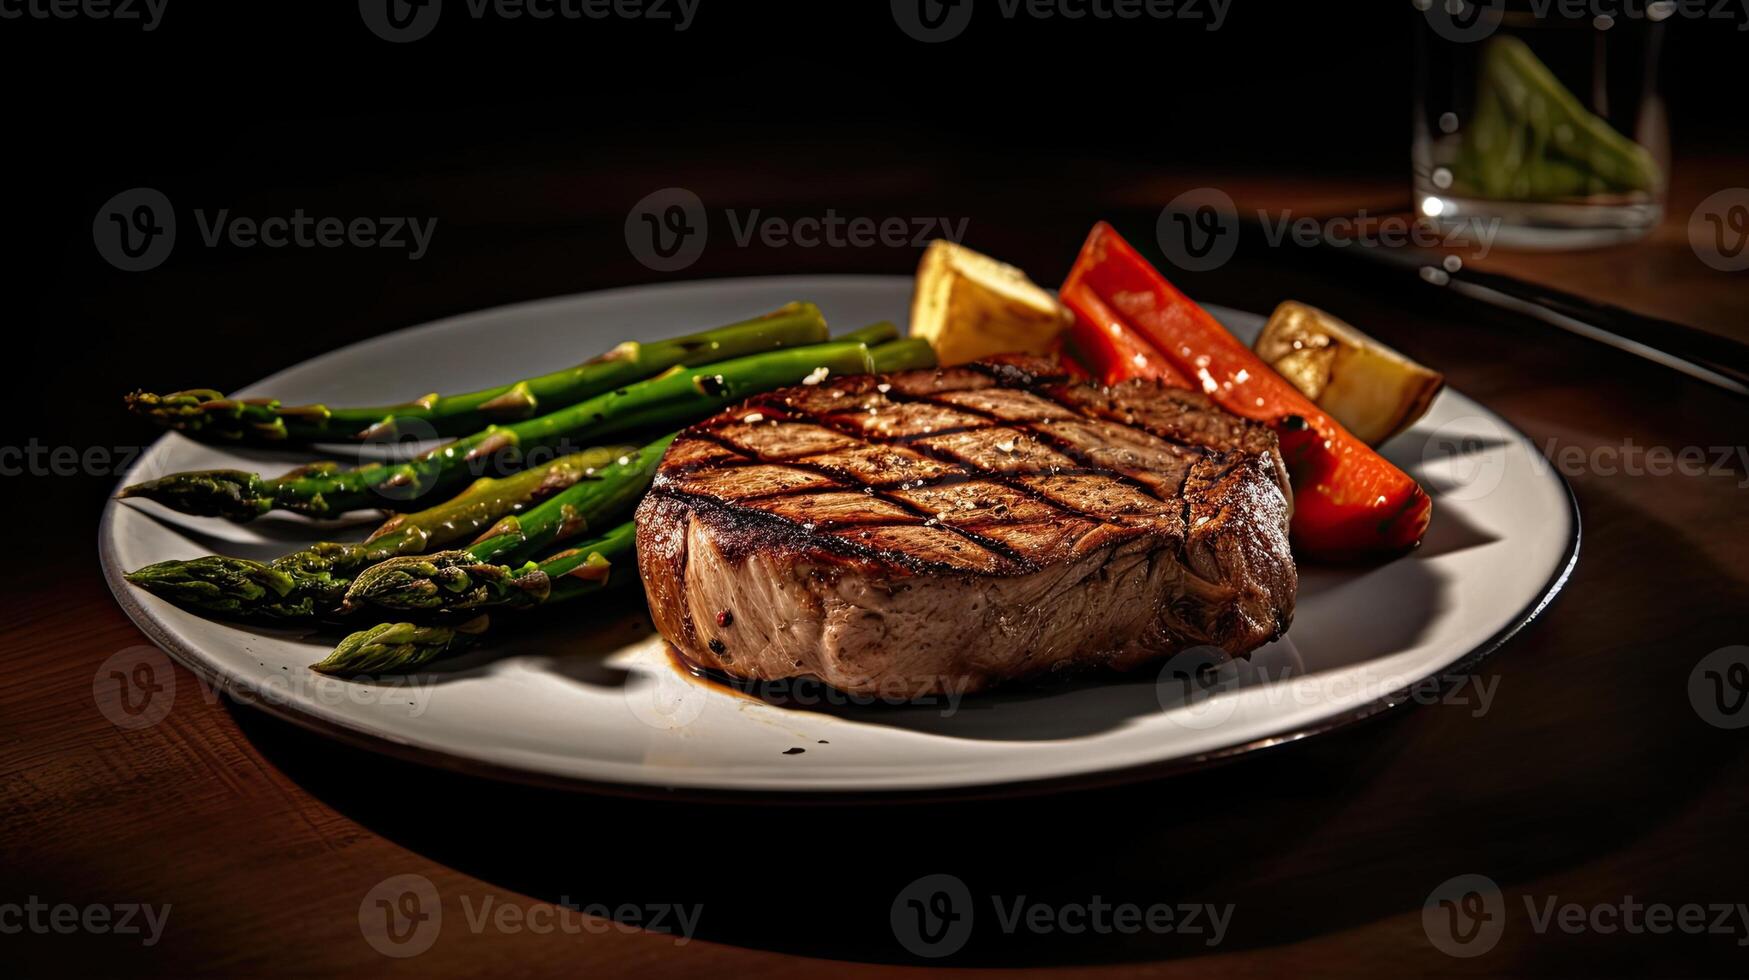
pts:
[529, 142]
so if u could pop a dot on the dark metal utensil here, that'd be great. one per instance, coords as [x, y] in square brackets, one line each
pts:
[1705, 356]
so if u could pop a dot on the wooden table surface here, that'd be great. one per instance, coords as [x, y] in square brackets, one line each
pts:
[1591, 779]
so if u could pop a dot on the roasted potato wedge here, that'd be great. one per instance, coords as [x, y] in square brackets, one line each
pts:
[1371, 389]
[969, 305]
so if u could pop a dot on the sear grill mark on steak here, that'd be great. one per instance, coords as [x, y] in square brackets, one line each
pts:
[859, 466]
[951, 529]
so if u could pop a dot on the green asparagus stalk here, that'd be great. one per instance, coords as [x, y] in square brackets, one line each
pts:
[873, 335]
[562, 577]
[459, 581]
[909, 354]
[390, 647]
[311, 583]
[579, 509]
[208, 415]
[513, 540]
[673, 398]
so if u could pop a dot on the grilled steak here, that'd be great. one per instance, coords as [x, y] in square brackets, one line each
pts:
[944, 530]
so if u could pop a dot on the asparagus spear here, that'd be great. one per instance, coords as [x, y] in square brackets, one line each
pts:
[390, 647]
[872, 335]
[208, 415]
[311, 583]
[672, 398]
[567, 575]
[513, 539]
[459, 581]
[908, 354]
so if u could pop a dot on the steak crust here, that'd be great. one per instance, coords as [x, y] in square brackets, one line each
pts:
[945, 530]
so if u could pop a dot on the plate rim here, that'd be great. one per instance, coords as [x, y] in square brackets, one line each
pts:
[442, 760]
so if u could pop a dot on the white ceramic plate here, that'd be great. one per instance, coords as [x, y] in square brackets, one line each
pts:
[588, 697]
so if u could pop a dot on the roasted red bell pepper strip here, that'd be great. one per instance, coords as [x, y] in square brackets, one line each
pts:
[1110, 348]
[1348, 500]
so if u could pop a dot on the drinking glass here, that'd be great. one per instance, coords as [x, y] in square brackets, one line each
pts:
[1542, 119]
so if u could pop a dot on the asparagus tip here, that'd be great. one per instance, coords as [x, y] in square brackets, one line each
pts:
[215, 583]
[391, 647]
[446, 580]
[409, 582]
[207, 493]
